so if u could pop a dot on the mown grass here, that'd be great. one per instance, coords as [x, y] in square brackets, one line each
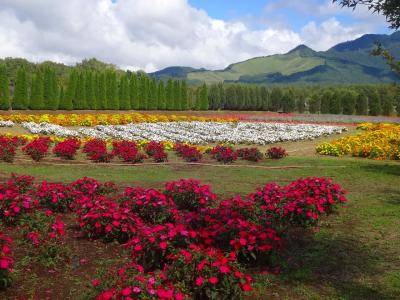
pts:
[355, 254]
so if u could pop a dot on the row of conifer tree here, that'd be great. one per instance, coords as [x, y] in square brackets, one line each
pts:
[95, 90]
[112, 90]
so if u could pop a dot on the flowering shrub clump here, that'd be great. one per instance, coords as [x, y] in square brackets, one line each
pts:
[151, 205]
[45, 233]
[15, 199]
[209, 272]
[156, 150]
[189, 194]
[378, 141]
[6, 261]
[224, 154]
[7, 148]
[251, 154]
[67, 149]
[53, 196]
[188, 153]
[300, 203]
[184, 244]
[38, 148]
[127, 151]
[276, 153]
[153, 147]
[96, 150]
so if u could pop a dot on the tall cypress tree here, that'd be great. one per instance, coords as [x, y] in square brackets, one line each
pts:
[153, 102]
[203, 97]
[112, 90]
[101, 90]
[349, 99]
[177, 95]
[336, 103]
[264, 98]
[90, 96]
[4, 89]
[276, 97]
[80, 95]
[20, 100]
[36, 99]
[362, 104]
[326, 102]
[314, 103]
[214, 96]
[184, 96]
[386, 102]
[124, 98]
[169, 95]
[133, 91]
[69, 98]
[374, 101]
[161, 95]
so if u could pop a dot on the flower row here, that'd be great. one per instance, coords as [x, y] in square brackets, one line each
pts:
[378, 141]
[105, 119]
[128, 151]
[194, 132]
[184, 242]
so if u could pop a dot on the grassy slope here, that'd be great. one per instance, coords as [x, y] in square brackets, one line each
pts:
[285, 64]
[356, 254]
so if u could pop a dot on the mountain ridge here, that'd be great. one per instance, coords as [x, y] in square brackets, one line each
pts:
[349, 62]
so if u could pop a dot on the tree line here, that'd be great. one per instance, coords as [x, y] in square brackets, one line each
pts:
[109, 89]
[361, 100]
[97, 90]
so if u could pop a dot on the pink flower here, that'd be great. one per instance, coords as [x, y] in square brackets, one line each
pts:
[163, 245]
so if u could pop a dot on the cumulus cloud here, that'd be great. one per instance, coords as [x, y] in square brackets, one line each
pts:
[144, 34]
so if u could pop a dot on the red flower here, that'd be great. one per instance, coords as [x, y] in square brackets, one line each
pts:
[199, 281]
[213, 280]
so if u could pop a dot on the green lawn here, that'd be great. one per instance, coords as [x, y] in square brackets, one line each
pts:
[355, 254]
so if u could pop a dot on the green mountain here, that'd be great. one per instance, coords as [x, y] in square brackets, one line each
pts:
[345, 63]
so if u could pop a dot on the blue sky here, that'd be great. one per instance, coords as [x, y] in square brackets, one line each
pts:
[294, 13]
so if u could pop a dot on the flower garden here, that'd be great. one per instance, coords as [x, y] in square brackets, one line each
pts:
[182, 207]
[379, 141]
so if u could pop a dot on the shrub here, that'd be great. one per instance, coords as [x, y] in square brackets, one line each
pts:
[223, 154]
[276, 153]
[208, 274]
[189, 194]
[7, 148]
[160, 156]
[67, 149]
[6, 261]
[96, 150]
[38, 148]
[153, 147]
[53, 196]
[127, 151]
[250, 154]
[151, 205]
[188, 153]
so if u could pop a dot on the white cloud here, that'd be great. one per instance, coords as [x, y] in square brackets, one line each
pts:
[146, 34]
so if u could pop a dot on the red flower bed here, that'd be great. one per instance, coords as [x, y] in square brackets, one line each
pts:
[224, 154]
[183, 242]
[67, 149]
[96, 150]
[250, 154]
[38, 148]
[276, 153]
[188, 153]
[127, 151]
